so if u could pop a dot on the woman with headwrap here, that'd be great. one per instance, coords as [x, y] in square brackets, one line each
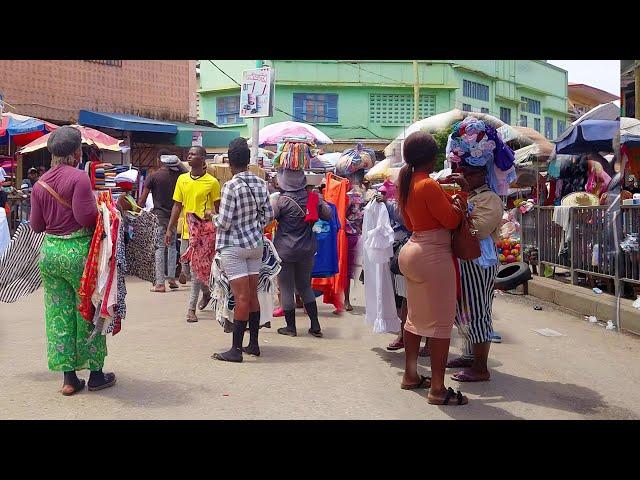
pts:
[63, 206]
[296, 244]
[477, 149]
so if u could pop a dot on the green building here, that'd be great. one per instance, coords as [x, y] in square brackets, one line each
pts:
[356, 100]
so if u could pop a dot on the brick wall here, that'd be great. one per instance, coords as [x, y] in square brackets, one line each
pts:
[57, 89]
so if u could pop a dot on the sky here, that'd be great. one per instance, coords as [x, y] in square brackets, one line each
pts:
[602, 74]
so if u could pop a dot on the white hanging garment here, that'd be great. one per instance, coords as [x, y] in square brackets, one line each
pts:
[377, 240]
[265, 297]
[5, 236]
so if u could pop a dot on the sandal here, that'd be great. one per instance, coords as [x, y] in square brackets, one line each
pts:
[191, 317]
[395, 345]
[204, 302]
[68, 390]
[227, 357]
[109, 381]
[173, 285]
[420, 384]
[158, 289]
[348, 308]
[460, 362]
[469, 376]
[460, 399]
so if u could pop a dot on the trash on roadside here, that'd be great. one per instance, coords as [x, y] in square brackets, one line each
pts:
[593, 319]
[610, 325]
[636, 304]
[537, 307]
[597, 290]
[548, 332]
[225, 394]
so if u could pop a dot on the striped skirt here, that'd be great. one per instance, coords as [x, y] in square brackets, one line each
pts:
[473, 311]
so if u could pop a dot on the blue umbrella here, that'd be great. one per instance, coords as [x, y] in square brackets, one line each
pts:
[588, 136]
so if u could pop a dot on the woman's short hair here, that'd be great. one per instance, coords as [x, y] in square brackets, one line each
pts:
[239, 153]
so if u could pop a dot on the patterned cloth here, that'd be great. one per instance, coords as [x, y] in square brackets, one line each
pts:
[244, 212]
[473, 312]
[140, 249]
[201, 250]
[222, 296]
[89, 279]
[355, 211]
[19, 274]
[61, 267]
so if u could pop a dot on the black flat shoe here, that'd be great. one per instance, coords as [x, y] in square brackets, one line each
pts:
[287, 331]
[109, 381]
[317, 334]
[251, 350]
[230, 356]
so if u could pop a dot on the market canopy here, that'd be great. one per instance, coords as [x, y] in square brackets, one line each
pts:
[211, 137]
[90, 136]
[630, 131]
[589, 136]
[22, 129]
[277, 132]
[442, 121]
[125, 122]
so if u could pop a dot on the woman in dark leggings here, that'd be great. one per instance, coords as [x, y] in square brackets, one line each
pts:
[296, 245]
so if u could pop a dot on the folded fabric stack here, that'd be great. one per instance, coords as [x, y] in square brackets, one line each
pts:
[103, 176]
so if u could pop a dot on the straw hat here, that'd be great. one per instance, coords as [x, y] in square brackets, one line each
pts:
[580, 199]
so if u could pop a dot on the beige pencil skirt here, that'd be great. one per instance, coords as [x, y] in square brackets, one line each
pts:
[427, 264]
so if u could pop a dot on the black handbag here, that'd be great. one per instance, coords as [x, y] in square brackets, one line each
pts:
[393, 263]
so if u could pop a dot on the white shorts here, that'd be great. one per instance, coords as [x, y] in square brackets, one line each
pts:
[240, 262]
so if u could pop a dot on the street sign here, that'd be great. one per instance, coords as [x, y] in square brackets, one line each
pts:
[256, 93]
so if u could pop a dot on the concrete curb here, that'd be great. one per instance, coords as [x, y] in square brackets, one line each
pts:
[585, 302]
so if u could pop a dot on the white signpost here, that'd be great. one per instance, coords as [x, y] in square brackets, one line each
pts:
[256, 101]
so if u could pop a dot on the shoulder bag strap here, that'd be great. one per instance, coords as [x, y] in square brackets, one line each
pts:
[296, 204]
[54, 194]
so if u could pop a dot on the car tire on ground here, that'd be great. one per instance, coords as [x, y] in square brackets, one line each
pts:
[512, 275]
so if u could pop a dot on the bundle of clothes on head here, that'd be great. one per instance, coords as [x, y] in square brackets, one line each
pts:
[478, 144]
[294, 154]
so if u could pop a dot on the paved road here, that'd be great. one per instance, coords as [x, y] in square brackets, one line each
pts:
[165, 371]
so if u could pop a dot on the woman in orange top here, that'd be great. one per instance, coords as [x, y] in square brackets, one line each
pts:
[428, 266]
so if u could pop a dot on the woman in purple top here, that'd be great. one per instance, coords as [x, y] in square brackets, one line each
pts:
[63, 206]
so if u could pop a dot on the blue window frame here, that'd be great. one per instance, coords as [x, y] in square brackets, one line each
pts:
[531, 105]
[561, 127]
[548, 127]
[505, 115]
[523, 120]
[315, 107]
[466, 107]
[475, 90]
[536, 124]
[228, 110]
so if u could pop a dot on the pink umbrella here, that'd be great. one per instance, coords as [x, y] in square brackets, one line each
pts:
[277, 132]
[90, 137]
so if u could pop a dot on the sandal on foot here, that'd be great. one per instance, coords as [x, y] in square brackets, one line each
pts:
[227, 357]
[265, 325]
[421, 384]
[395, 345]
[191, 317]
[317, 333]
[460, 399]
[109, 381]
[348, 308]
[204, 302]
[158, 289]
[68, 390]
[173, 285]
[287, 331]
[459, 362]
[470, 376]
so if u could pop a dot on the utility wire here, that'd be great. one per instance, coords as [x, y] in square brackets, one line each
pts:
[302, 119]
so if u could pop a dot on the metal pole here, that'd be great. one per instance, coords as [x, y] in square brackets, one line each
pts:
[255, 130]
[416, 91]
[637, 88]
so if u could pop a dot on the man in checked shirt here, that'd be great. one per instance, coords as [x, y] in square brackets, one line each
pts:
[245, 210]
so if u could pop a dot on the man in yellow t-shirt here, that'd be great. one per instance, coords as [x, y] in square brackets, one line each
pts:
[196, 192]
